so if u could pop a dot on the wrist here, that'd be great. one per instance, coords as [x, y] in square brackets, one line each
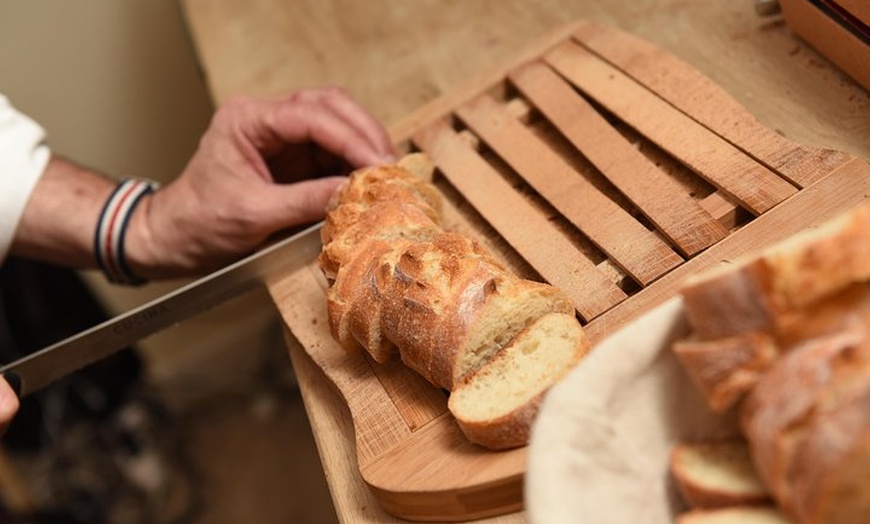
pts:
[117, 249]
[155, 247]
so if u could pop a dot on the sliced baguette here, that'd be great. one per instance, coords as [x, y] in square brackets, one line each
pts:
[399, 283]
[806, 412]
[496, 405]
[717, 474]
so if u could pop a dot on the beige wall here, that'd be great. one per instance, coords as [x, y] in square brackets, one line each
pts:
[117, 87]
[114, 82]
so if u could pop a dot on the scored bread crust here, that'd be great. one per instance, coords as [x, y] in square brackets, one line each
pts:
[437, 295]
[399, 283]
[349, 226]
[354, 300]
[446, 294]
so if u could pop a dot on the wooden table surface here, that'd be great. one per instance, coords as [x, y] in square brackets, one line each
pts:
[395, 56]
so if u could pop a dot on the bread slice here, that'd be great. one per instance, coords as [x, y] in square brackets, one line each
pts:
[447, 340]
[729, 302]
[717, 474]
[354, 300]
[735, 515]
[727, 368]
[495, 406]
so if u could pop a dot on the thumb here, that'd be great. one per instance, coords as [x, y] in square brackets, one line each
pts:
[8, 404]
[303, 202]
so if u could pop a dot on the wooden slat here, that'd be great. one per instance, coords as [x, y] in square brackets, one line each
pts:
[751, 184]
[523, 226]
[640, 252]
[846, 187]
[697, 96]
[667, 205]
[442, 106]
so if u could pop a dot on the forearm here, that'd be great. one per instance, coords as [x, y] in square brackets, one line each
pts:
[250, 177]
[60, 217]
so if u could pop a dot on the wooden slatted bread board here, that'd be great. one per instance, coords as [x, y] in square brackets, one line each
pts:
[595, 162]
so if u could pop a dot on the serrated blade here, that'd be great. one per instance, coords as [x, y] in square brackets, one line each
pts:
[43, 367]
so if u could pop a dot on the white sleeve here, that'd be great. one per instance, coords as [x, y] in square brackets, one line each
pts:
[23, 157]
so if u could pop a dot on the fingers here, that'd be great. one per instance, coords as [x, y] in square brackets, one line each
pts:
[8, 404]
[357, 116]
[299, 203]
[329, 118]
[331, 131]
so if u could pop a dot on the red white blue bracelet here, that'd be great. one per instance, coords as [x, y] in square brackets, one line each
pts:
[112, 229]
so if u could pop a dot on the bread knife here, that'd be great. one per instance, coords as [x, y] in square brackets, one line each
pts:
[39, 369]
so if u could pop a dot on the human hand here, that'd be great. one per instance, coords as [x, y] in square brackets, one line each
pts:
[8, 405]
[262, 166]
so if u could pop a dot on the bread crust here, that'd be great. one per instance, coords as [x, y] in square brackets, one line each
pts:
[807, 418]
[725, 369]
[432, 305]
[507, 431]
[349, 226]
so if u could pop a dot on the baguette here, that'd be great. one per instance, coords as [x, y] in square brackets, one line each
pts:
[809, 423]
[785, 339]
[400, 284]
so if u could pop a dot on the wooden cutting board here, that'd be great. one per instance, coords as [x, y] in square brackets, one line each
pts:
[602, 165]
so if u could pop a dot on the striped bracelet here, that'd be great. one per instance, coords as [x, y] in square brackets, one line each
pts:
[112, 228]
